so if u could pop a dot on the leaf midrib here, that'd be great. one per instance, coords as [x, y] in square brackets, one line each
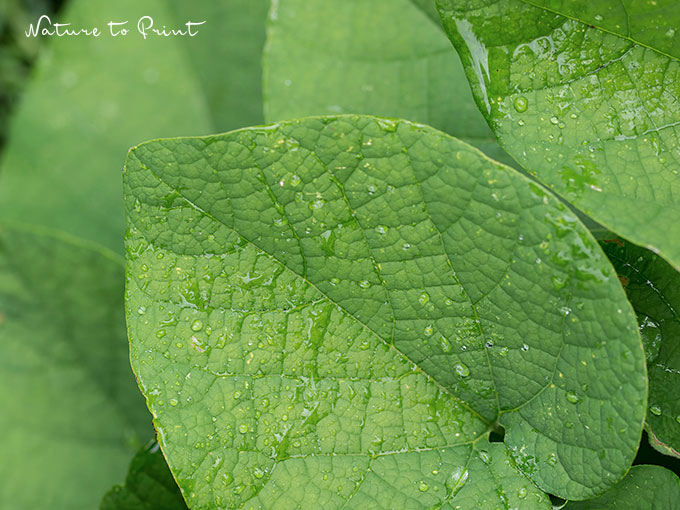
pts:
[311, 284]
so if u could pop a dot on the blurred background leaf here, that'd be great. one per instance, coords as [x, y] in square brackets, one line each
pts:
[90, 99]
[71, 413]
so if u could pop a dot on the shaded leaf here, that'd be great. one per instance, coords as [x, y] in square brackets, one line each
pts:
[350, 304]
[71, 412]
[582, 104]
[149, 485]
[653, 287]
[643, 488]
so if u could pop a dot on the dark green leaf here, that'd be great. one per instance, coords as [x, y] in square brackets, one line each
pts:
[643, 488]
[653, 287]
[149, 485]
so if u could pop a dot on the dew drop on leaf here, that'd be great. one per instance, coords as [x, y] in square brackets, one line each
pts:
[573, 398]
[461, 369]
[521, 104]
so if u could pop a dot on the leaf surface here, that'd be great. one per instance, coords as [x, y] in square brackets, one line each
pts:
[355, 302]
[643, 488]
[71, 413]
[149, 485]
[92, 98]
[653, 288]
[585, 102]
[379, 57]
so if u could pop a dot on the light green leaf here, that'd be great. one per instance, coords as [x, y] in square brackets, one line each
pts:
[591, 112]
[653, 287]
[643, 488]
[380, 57]
[149, 485]
[226, 58]
[92, 98]
[71, 413]
[326, 308]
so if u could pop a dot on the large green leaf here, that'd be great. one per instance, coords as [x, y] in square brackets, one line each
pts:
[653, 287]
[92, 98]
[149, 485]
[340, 309]
[587, 103]
[643, 488]
[71, 414]
[380, 57]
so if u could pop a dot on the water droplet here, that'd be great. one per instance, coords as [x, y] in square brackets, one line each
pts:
[655, 410]
[461, 369]
[573, 398]
[197, 325]
[388, 125]
[525, 347]
[484, 455]
[446, 345]
[258, 473]
[554, 120]
[237, 395]
[424, 298]
[335, 281]
[522, 493]
[428, 330]
[364, 284]
[598, 17]
[382, 229]
[243, 428]
[295, 180]
[173, 402]
[405, 246]
[521, 104]
[552, 459]
[423, 487]
[160, 333]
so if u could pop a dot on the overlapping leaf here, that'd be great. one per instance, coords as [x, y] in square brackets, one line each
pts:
[643, 488]
[340, 309]
[586, 96]
[380, 57]
[71, 414]
[149, 485]
[653, 287]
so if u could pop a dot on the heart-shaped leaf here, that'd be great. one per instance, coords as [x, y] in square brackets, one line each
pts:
[653, 287]
[71, 413]
[585, 96]
[380, 57]
[324, 309]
